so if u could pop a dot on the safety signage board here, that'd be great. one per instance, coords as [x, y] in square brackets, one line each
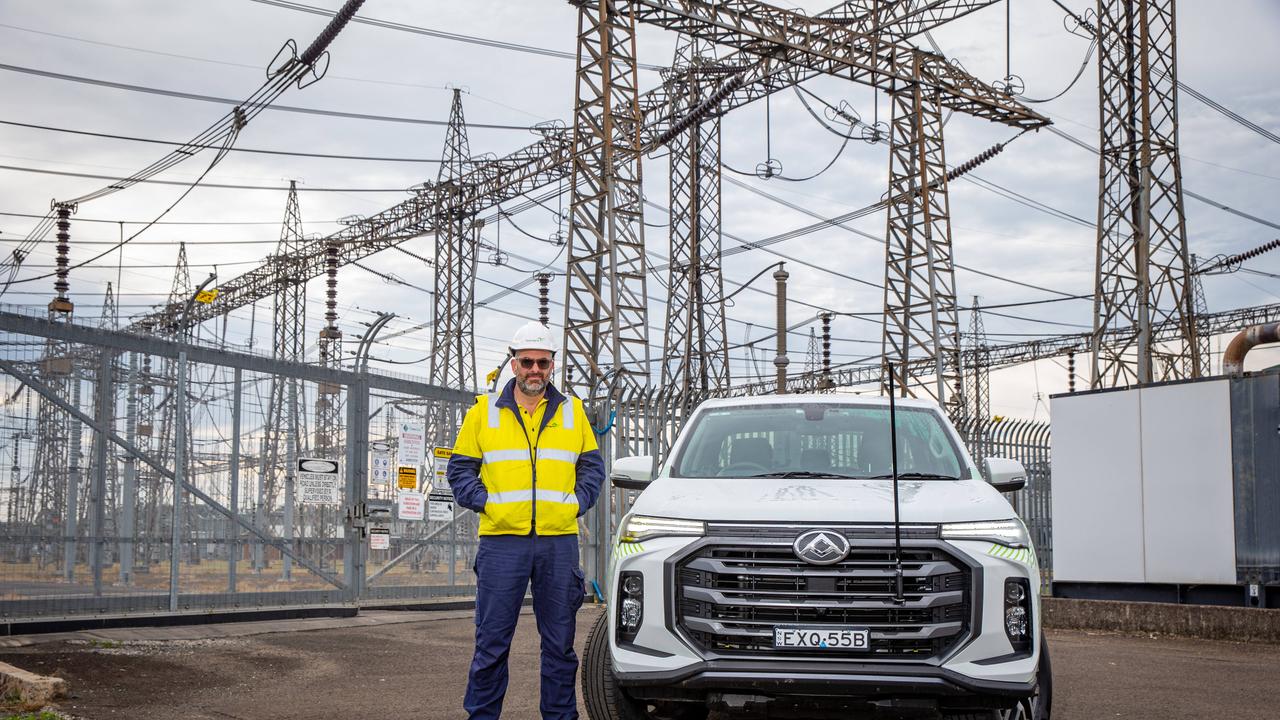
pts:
[318, 482]
[380, 468]
[413, 444]
[379, 538]
[440, 505]
[440, 457]
[407, 478]
[410, 505]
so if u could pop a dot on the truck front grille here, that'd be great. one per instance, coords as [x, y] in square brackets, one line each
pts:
[729, 598]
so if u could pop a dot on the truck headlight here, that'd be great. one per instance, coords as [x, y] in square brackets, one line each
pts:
[643, 527]
[1005, 532]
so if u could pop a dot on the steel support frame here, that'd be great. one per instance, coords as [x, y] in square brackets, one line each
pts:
[919, 296]
[453, 355]
[1143, 271]
[606, 300]
[695, 350]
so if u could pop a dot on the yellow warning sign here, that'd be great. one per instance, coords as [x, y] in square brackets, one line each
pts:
[207, 296]
[443, 452]
[408, 478]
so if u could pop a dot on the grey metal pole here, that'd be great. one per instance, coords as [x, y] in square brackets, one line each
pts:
[129, 496]
[780, 362]
[352, 535]
[97, 498]
[233, 530]
[179, 476]
[70, 523]
[1143, 267]
[290, 474]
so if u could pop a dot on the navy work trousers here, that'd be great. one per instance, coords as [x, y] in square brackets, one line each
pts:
[505, 565]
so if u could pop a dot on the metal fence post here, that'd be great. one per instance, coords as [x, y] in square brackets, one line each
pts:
[70, 522]
[233, 531]
[97, 498]
[179, 475]
[126, 528]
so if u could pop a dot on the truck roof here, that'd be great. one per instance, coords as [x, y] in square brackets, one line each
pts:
[822, 398]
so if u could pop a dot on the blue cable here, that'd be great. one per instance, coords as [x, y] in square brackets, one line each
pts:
[613, 414]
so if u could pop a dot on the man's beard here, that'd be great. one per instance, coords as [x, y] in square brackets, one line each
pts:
[533, 387]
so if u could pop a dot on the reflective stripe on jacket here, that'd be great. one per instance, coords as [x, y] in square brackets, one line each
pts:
[518, 485]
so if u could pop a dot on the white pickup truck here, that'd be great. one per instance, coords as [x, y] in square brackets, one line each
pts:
[762, 573]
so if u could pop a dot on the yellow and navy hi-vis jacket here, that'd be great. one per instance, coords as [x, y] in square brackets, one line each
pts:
[522, 480]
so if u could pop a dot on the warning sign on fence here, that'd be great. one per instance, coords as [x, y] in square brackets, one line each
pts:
[410, 505]
[318, 481]
[407, 478]
[440, 504]
[379, 538]
[413, 444]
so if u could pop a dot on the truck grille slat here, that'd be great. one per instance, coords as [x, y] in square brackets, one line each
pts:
[730, 597]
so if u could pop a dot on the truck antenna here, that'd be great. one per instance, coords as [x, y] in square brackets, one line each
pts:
[898, 597]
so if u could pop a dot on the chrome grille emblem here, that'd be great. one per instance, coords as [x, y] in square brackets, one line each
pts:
[821, 547]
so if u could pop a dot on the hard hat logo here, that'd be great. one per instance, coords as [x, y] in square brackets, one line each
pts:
[533, 335]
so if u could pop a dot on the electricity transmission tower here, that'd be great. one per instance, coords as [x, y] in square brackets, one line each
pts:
[453, 350]
[606, 306]
[695, 351]
[1143, 271]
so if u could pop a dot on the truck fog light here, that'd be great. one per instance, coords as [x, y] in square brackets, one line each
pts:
[1014, 593]
[633, 585]
[630, 616]
[1015, 622]
[1017, 614]
[630, 605]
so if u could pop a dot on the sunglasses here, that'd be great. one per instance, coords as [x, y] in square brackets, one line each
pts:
[528, 363]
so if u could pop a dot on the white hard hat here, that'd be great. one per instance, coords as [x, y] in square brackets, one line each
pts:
[533, 335]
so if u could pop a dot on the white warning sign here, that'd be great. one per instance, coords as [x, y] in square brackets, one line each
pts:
[413, 444]
[410, 505]
[379, 538]
[440, 504]
[318, 481]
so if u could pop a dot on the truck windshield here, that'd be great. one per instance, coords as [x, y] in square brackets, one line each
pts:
[817, 440]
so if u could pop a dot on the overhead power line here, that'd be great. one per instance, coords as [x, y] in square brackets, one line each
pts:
[294, 153]
[184, 183]
[229, 101]
[443, 35]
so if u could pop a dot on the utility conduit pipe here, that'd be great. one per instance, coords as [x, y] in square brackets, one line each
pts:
[1246, 340]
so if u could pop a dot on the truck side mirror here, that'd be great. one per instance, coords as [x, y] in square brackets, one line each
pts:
[1004, 474]
[632, 473]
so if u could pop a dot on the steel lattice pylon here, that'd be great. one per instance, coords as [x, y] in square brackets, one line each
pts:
[695, 352]
[606, 313]
[285, 408]
[453, 355]
[328, 401]
[1142, 264]
[919, 287]
[977, 385]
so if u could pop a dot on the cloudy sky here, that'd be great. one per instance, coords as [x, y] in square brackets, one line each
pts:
[404, 76]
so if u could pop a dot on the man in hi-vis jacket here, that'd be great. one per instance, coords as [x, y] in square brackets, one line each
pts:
[526, 459]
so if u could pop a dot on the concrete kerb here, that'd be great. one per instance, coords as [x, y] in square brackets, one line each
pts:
[28, 690]
[1237, 624]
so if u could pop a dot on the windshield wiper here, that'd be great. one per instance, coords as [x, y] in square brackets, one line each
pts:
[804, 474]
[914, 476]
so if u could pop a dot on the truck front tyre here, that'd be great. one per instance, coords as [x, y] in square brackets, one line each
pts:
[606, 700]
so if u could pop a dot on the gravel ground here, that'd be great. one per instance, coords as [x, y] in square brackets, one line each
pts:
[418, 670]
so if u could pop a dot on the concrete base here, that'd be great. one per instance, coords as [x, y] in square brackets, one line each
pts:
[1199, 621]
[28, 690]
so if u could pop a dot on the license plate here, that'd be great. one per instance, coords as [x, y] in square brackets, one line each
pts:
[822, 638]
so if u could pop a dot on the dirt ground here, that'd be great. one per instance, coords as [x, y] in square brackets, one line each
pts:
[381, 666]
